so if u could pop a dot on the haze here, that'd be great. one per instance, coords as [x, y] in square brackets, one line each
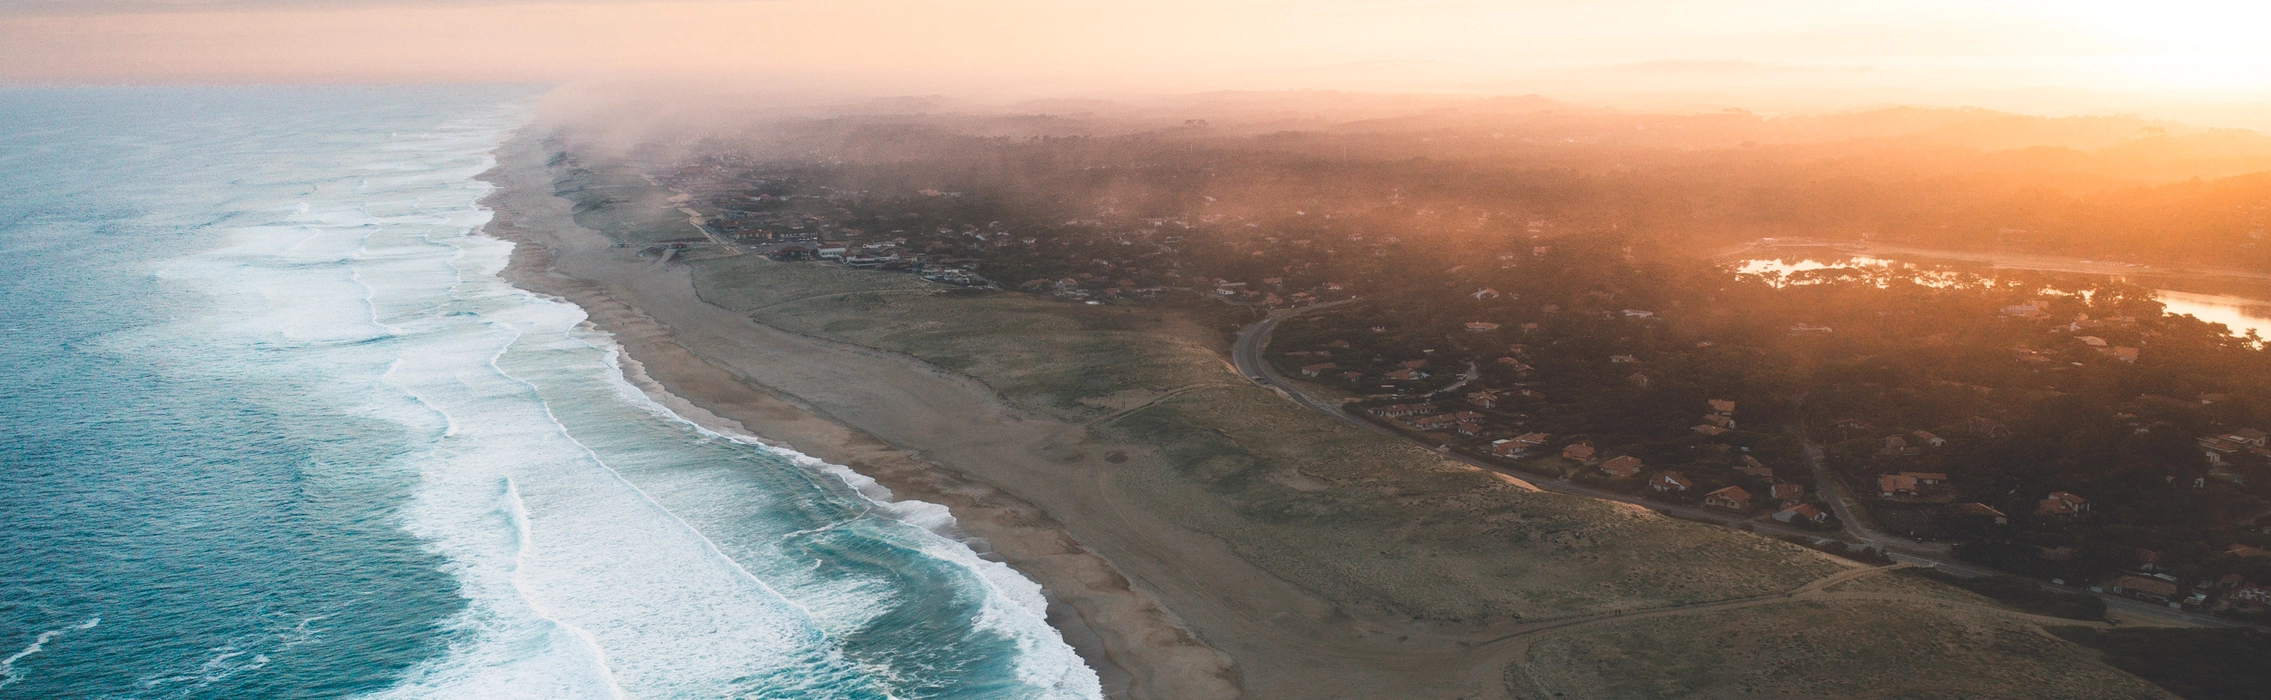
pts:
[2198, 60]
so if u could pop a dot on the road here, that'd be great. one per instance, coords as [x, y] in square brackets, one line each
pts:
[1833, 492]
[1246, 355]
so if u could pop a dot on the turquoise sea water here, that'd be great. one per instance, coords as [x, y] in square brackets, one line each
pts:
[271, 427]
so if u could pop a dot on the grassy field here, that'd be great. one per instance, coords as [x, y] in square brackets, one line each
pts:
[2022, 594]
[1820, 649]
[1071, 361]
[2199, 664]
[1354, 516]
[615, 201]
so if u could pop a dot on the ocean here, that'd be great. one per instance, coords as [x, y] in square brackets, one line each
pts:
[271, 426]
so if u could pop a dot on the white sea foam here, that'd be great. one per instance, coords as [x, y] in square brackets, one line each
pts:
[1016, 607]
[9, 674]
[605, 546]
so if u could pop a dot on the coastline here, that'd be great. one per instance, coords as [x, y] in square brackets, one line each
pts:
[1154, 580]
[1134, 644]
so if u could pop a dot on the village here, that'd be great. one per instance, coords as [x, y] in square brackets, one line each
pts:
[1896, 477]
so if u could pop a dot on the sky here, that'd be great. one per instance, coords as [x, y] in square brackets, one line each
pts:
[2068, 56]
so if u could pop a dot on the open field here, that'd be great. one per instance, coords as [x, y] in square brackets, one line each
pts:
[613, 198]
[1218, 540]
[1359, 519]
[1841, 649]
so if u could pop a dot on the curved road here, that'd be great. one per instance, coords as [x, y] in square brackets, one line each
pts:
[1246, 354]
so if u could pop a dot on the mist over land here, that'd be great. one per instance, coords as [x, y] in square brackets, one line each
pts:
[1176, 350]
[1450, 318]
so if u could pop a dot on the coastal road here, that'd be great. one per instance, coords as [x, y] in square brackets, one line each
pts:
[1246, 355]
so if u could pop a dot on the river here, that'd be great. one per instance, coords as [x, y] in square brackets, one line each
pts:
[2238, 305]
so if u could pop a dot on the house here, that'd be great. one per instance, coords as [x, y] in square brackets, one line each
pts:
[1809, 329]
[1433, 422]
[2123, 353]
[1469, 429]
[1402, 409]
[1669, 481]
[1928, 438]
[1710, 430]
[2091, 340]
[1317, 369]
[1720, 419]
[1897, 445]
[1518, 445]
[2061, 503]
[1481, 326]
[1484, 399]
[1722, 407]
[1927, 478]
[1623, 359]
[1484, 293]
[1730, 498]
[2247, 551]
[1624, 467]
[1406, 375]
[1579, 453]
[2146, 587]
[2218, 449]
[1802, 511]
[1895, 485]
[2250, 593]
[1788, 491]
[1980, 510]
[1759, 471]
[1637, 379]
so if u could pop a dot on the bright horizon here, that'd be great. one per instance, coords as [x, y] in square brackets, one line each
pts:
[2195, 60]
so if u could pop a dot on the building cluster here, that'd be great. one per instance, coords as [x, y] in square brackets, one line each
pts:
[1758, 491]
[2231, 593]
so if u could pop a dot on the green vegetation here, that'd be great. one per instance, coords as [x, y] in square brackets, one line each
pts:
[1352, 516]
[2198, 664]
[616, 201]
[2022, 594]
[1841, 649]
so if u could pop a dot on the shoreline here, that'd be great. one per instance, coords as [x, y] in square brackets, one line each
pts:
[1153, 579]
[1136, 647]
